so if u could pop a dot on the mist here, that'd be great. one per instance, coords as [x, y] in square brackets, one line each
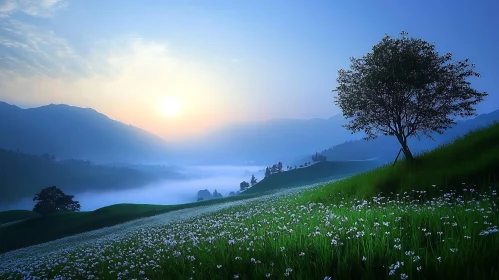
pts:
[166, 192]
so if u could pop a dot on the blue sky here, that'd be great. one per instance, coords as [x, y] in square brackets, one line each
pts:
[218, 61]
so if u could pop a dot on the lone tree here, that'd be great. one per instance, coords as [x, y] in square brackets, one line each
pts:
[52, 200]
[405, 88]
[267, 172]
[253, 180]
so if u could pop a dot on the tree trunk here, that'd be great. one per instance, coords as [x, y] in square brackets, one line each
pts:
[405, 149]
[407, 153]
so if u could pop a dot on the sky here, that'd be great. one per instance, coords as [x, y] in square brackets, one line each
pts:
[181, 68]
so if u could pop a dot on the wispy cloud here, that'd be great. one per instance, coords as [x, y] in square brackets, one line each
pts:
[29, 50]
[26, 49]
[35, 8]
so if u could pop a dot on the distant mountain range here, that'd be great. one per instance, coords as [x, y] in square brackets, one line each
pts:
[82, 133]
[79, 133]
[268, 142]
[385, 148]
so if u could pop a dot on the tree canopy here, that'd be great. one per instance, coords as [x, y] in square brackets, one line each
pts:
[253, 181]
[52, 200]
[405, 88]
[244, 185]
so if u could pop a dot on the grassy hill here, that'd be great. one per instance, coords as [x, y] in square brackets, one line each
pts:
[39, 229]
[16, 215]
[469, 162]
[315, 173]
[409, 220]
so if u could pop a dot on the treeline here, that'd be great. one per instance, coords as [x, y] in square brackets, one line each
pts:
[22, 175]
[319, 157]
[206, 195]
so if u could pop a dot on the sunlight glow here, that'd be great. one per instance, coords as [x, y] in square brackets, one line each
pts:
[170, 107]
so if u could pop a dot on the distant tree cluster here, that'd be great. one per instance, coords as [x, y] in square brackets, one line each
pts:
[318, 157]
[275, 168]
[290, 167]
[244, 185]
[206, 195]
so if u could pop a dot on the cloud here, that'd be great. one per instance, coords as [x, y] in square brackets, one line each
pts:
[35, 8]
[29, 50]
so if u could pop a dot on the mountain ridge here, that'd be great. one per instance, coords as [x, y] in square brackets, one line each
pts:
[75, 132]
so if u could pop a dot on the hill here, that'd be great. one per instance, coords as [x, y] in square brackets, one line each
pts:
[469, 161]
[386, 148]
[264, 142]
[318, 172]
[23, 175]
[73, 132]
[59, 225]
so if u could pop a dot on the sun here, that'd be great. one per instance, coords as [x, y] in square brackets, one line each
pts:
[170, 107]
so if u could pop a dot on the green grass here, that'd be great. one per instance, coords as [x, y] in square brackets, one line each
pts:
[60, 225]
[16, 215]
[63, 224]
[435, 219]
[472, 160]
[315, 173]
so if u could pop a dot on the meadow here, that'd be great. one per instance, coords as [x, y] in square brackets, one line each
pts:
[436, 218]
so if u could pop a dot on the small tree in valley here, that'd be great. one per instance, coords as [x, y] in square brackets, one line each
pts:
[52, 200]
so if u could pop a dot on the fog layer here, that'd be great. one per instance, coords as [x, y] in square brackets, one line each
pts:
[222, 178]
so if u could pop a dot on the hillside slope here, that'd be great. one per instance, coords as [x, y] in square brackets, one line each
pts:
[318, 172]
[471, 161]
[386, 148]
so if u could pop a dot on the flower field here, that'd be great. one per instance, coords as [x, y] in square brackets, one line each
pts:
[406, 236]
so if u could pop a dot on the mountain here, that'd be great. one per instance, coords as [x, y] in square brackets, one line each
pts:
[79, 133]
[386, 148]
[267, 142]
